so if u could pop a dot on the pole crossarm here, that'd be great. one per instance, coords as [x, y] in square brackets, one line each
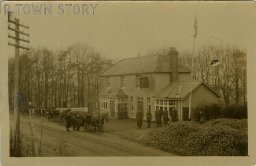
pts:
[21, 32]
[22, 25]
[18, 46]
[24, 40]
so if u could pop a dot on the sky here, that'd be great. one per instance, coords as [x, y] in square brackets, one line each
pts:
[123, 30]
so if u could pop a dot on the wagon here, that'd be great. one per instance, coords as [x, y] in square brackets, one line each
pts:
[61, 115]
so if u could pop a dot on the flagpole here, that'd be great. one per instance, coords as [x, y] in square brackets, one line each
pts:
[192, 68]
[191, 79]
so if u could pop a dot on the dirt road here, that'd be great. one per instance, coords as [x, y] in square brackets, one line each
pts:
[56, 141]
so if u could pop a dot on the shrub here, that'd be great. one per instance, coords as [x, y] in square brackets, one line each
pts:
[214, 138]
[235, 111]
[233, 123]
[214, 111]
[208, 112]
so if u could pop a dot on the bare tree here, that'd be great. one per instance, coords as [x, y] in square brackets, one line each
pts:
[228, 78]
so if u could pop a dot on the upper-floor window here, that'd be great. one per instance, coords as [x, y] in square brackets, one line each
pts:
[142, 81]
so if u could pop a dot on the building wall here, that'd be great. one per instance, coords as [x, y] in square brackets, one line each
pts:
[144, 93]
[184, 77]
[131, 89]
[202, 96]
[157, 81]
[160, 81]
[102, 83]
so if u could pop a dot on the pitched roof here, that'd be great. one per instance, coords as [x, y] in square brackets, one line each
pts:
[181, 89]
[140, 65]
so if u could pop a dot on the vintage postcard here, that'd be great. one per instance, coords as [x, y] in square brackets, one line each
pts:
[127, 83]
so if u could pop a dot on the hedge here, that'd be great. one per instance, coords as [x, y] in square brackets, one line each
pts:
[216, 111]
[215, 138]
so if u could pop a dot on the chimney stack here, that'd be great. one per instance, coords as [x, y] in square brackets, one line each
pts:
[173, 56]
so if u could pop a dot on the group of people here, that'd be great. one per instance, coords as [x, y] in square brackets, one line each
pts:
[161, 116]
[89, 122]
[139, 117]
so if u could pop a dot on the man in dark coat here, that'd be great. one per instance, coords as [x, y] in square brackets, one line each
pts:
[79, 121]
[158, 117]
[165, 116]
[161, 115]
[73, 121]
[68, 121]
[149, 118]
[139, 117]
[101, 122]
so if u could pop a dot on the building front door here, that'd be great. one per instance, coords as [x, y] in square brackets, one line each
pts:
[112, 109]
[122, 110]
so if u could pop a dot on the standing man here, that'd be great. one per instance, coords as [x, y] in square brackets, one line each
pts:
[157, 117]
[165, 116]
[68, 121]
[139, 117]
[161, 115]
[149, 118]
[73, 120]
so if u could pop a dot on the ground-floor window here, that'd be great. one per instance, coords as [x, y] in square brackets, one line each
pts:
[117, 107]
[104, 103]
[166, 105]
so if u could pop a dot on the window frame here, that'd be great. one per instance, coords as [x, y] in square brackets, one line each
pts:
[164, 104]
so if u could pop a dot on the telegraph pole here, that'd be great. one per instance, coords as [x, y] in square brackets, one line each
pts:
[17, 96]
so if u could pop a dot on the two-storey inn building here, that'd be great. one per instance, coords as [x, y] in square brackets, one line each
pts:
[150, 82]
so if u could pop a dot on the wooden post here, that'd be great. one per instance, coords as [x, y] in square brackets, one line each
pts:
[33, 140]
[16, 90]
[17, 96]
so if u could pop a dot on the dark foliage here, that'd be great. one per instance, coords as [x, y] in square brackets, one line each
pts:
[224, 137]
[235, 111]
[215, 111]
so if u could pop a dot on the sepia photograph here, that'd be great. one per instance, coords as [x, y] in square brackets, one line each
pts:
[130, 79]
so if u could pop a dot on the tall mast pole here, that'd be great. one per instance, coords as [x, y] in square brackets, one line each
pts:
[192, 67]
